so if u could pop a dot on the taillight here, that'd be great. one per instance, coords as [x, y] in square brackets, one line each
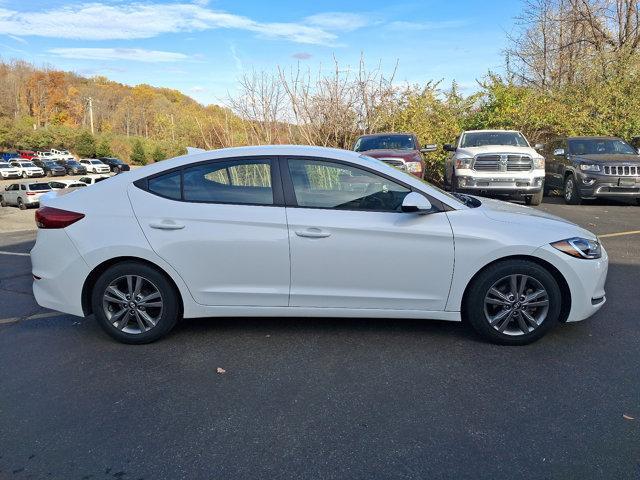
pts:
[49, 217]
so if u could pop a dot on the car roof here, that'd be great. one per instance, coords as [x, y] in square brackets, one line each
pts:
[490, 131]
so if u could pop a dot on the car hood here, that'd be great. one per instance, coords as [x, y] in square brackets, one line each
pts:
[473, 151]
[409, 155]
[630, 159]
[520, 215]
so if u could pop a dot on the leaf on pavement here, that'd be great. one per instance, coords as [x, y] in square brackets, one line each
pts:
[627, 417]
[220, 371]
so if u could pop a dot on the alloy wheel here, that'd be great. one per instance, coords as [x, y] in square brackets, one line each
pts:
[568, 189]
[516, 305]
[132, 304]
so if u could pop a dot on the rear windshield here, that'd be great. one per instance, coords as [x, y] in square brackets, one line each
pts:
[385, 142]
[39, 186]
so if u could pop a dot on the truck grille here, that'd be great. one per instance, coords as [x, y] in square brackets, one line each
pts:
[502, 163]
[621, 170]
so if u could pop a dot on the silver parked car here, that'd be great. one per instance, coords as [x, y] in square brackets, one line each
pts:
[24, 195]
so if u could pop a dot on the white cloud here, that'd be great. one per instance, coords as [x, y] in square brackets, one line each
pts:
[119, 21]
[133, 54]
[18, 39]
[197, 89]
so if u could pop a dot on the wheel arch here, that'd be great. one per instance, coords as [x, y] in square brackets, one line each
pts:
[102, 267]
[565, 291]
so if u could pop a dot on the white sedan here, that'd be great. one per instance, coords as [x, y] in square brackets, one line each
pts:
[307, 232]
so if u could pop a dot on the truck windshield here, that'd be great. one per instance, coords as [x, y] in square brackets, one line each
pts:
[600, 146]
[385, 142]
[481, 139]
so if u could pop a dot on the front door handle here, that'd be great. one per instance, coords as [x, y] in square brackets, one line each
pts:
[313, 233]
[166, 225]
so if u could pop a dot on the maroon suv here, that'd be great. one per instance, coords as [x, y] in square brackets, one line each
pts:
[401, 150]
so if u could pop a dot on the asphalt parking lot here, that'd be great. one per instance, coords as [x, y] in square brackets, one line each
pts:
[322, 398]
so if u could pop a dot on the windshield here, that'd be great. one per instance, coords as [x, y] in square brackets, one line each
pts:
[5, 165]
[385, 142]
[72, 162]
[27, 164]
[480, 139]
[50, 164]
[39, 186]
[96, 162]
[600, 146]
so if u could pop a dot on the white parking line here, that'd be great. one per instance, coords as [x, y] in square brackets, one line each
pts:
[18, 254]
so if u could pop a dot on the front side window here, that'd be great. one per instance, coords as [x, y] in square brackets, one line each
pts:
[234, 181]
[324, 184]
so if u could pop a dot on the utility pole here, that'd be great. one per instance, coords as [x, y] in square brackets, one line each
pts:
[90, 100]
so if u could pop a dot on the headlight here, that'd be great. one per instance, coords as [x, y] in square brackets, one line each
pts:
[413, 167]
[464, 162]
[538, 163]
[587, 167]
[579, 247]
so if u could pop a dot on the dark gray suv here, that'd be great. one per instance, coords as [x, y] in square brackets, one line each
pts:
[592, 167]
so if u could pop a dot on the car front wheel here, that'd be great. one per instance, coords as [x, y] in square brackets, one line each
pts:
[513, 302]
[135, 303]
[571, 195]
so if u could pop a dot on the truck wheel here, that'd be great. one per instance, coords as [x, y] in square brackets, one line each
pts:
[571, 195]
[535, 199]
[21, 204]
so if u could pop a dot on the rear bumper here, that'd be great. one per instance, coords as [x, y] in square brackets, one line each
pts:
[60, 278]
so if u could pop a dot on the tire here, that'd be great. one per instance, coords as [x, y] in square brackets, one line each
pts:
[535, 199]
[453, 182]
[21, 204]
[49, 173]
[2, 202]
[480, 307]
[571, 195]
[638, 201]
[24, 174]
[128, 326]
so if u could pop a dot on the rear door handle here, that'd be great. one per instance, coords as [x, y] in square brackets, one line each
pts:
[313, 233]
[166, 225]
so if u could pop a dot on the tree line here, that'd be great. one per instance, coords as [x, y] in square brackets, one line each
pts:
[571, 68]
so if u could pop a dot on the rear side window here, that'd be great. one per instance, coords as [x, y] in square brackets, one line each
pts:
[235, 181]
[168, 185]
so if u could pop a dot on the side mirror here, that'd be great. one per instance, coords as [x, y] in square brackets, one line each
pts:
[449, 148]
[415, 202]
[559, 152]
[539, 146]
[430, 147]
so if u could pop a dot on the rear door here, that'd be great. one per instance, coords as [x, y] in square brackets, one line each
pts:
[352, 246]
[222, 225]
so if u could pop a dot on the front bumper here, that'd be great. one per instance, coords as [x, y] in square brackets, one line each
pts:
[12, 175]
[34, 174]
[585, 278]
[596, 186]
[510, 183]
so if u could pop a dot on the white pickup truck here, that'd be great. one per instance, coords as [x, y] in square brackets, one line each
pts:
[61, 154]
[495, 163]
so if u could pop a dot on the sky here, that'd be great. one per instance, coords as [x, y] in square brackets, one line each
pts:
[202, 47]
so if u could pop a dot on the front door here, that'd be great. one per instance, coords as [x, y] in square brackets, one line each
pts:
[353, 247]
[218, 224]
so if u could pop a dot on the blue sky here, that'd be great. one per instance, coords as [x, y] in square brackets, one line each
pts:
[201, 47]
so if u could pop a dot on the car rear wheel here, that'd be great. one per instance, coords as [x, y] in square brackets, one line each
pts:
[513, 302]
[571, 194]
[135, 303]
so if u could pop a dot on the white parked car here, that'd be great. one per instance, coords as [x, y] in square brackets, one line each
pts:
[95, 166]
[27, 169]
[307, 231]
[93, 179]
[64, 184]
[23, 195]
[496, 163]
[9, 171]
[61, 154]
